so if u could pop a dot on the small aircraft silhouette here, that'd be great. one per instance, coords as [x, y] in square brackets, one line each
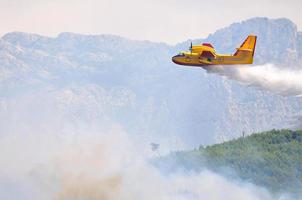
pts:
[154, 146]
[205, 54]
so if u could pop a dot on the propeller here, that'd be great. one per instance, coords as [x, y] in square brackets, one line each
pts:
[191, 47]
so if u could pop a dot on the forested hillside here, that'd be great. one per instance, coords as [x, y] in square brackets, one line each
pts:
[271, 159]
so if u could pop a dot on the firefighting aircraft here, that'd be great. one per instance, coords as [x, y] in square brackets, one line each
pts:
[204, 55]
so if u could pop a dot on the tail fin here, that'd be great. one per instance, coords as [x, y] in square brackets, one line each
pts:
[248, 45]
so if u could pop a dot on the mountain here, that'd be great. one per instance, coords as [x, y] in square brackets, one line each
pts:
[269, 159]
[72, 79]
[278, 41]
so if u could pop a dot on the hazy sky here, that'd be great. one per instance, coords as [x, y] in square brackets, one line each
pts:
[170, 21]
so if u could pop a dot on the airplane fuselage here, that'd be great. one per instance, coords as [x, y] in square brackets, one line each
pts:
[193, 59]
[203, 55]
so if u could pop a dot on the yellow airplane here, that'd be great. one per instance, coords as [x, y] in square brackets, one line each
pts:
[204, 55]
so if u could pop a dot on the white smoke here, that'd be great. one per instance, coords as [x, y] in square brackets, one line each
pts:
[60, 145]
[102, 166]
[269, 77]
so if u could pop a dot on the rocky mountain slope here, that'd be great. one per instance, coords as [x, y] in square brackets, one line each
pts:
[98, 80]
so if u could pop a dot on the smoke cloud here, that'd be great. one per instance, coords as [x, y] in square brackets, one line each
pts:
[269, 77]
[102, 166]
[61, 145]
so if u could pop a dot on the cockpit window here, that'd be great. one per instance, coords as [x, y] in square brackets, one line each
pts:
[181, 54]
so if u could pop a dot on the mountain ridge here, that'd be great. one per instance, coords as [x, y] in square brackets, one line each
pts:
[167, 101]
[277, 21]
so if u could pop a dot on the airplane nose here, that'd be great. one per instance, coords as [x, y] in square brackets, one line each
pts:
[174, 59]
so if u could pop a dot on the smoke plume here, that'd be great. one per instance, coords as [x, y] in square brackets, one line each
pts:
[60, 145]
[103, 166]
